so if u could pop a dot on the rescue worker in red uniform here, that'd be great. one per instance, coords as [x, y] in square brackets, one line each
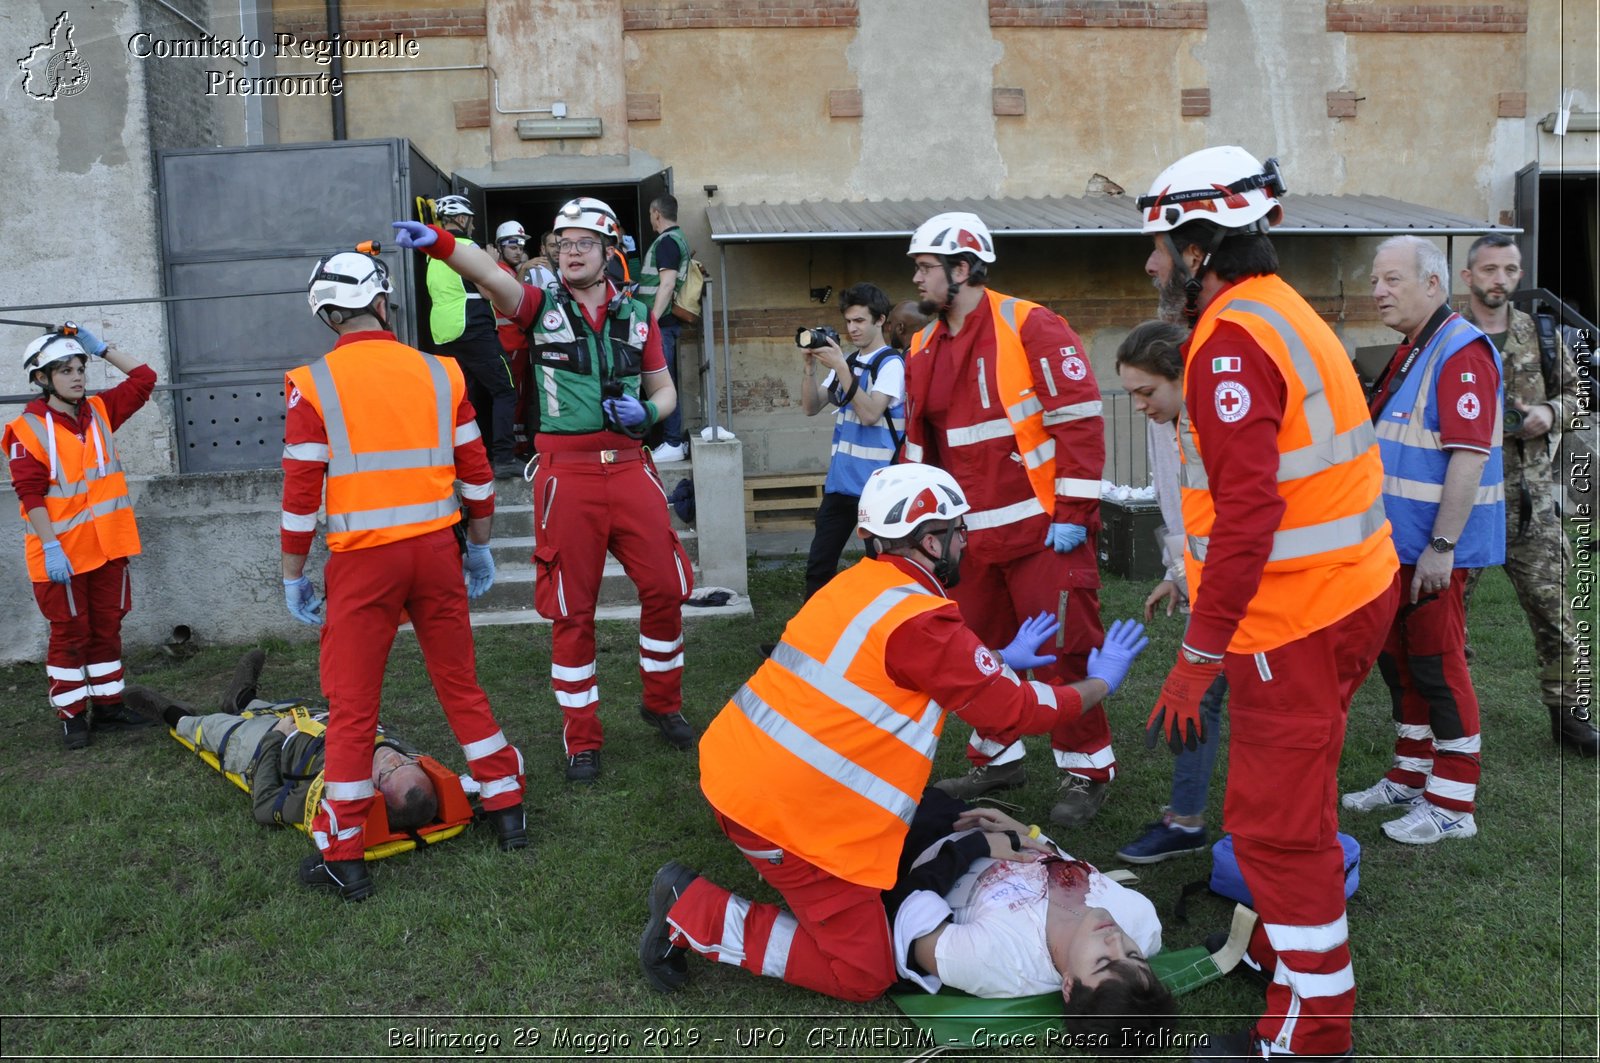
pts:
[816, 765]
[1438, 410]
[510, 243]
[1291, 571]
[601, 383]
[391, 431]
[78, 523]
[1000, 394]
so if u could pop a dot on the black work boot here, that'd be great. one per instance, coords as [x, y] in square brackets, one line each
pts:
[348, 878]
[118, 717]
[673, 728]
[1574, 732]
[75, 731]
[664, 964]
[242, 687]
[510, 827]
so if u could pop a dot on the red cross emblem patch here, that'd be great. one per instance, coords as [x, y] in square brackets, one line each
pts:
[1232, 399]
[1469, 407]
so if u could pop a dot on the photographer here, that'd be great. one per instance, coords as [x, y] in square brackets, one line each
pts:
[596, 355]
[865, 387]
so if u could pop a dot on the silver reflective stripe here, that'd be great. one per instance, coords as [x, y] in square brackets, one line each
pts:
[855, 633]
[109, 463]
[371, 519]
[1346, 446]
[67, 490]
[1071, 487]
[857, 450]
[305, 452]
[913, 451]
[994, 518]
[1045, 452]
[1000, 428]
[1408, 433]
[983, 385]
[110, 505]
[1075, 412]
[1049, 381]
[1291, 543]
[342, 462]
[812, 752]
[61, 527]
[1024, 409]
[1008, 311]
[1317, 410]
[1421, 491]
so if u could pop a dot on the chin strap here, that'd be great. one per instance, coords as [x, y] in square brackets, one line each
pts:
[1191, 283]
[947, 572]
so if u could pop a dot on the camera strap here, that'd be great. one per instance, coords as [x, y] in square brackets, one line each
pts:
[1397, 380]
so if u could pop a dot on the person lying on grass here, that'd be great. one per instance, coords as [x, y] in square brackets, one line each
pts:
[990, 906]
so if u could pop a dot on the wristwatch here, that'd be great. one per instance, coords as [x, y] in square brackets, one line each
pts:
[1441, 544]
[1196, 657]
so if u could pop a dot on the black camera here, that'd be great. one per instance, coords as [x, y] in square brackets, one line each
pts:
[814, 338]
[1513, 420]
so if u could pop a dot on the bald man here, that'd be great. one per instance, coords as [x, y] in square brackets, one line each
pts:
[904, 322]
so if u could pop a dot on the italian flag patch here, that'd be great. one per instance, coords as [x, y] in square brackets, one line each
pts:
[1224, 365]
[1469, 378]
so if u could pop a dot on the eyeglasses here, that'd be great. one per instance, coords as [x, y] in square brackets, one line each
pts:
[403, 762]
[577, 245]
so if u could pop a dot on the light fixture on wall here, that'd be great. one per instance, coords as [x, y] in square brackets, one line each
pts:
[1575, 122]
[558, 128]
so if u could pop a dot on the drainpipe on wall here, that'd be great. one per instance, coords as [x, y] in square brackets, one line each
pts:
[337, 101]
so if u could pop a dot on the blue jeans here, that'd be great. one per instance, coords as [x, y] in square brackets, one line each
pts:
[1191, 770]
[672, 427]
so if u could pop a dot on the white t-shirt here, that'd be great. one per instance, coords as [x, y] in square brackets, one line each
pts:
[890, 379]
[995, 945]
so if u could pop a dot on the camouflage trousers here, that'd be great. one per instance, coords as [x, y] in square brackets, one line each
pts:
[1538, 561]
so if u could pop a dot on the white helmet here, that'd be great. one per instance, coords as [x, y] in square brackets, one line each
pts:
[953, 233]
[510, 230]
[897, 498]
[591, 214]
[1224, 185]
[348, 281]
[49, 349]
[450, 206]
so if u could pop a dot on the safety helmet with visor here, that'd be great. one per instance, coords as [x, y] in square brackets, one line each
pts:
[510, 230]
[588, 213]
[347, 284]
[47, 350]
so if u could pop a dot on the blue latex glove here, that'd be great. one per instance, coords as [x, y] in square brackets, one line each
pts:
[1021, 654]
[413, 234]
[301, 598]
[1063, 538]
[90, 342]
[56, 565]
[479, 564]
[1110, 663]
[627, 411]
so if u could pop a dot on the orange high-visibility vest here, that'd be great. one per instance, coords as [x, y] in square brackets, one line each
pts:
[820, 751]
[87, 500]
[1024, 412]
[1332, 552]
[390, 413]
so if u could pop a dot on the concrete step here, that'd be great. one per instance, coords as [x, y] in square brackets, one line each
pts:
[740, 606]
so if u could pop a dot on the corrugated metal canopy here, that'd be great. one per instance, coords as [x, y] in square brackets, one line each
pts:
[1065, 216]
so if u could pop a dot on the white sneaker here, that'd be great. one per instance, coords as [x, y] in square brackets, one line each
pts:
[1427, 823]
[669, 452]
[1382, 794]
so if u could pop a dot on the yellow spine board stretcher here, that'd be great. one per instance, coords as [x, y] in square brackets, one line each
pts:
[453, 817]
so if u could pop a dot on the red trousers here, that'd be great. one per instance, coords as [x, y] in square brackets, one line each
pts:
[521, 375]
[836, 941]
[582, 509]
[367, 589]
[996, 599]
[1287, 712]
[84, 659]
[1424, 662]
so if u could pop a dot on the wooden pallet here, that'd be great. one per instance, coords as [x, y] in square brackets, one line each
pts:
[782, 503]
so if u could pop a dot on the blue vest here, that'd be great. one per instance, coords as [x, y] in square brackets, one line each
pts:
[1414, 463]
[859, 449]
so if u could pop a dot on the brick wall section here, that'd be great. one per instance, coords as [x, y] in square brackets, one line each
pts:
[370, 25]
[736, 14]
[1342, 104]
[1511, 105]
[472, 114]
[1100, 14]
[1196, 103]
[1345, 16]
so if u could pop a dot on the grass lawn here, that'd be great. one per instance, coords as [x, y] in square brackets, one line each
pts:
[149, 917]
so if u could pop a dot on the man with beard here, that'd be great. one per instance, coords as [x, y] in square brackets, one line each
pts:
[1544, 391]
[1000, 394]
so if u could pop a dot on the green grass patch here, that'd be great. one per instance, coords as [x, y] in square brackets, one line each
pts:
[149, 917]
